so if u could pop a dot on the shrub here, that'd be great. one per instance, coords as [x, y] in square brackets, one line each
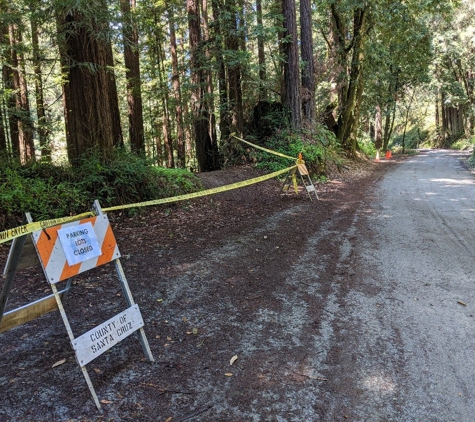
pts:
[49, 191]
[318, 147]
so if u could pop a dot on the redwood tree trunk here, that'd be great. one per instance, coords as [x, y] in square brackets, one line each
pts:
[208, 72]
[206, 150]
[132, 74]
[90, 94]
[222, 87]
[308, 75]
[234, 71]
[291, 64]
[24, 147]
[180, 134]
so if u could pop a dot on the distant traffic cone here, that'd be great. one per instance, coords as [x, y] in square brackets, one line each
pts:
[388, 154]
[377, 156]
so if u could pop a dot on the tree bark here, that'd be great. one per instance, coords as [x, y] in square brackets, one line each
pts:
[208, 72]
[206, 150]
[261, 53]
[308, 75]
[24, 145]
[132, 75]
[222, 86]
[234, 70]
[180, 134]
[5, 122]
[348, 121]
[291, 64]
[165, 102]
[89, 92]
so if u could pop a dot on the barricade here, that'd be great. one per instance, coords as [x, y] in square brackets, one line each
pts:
[68, 246]
[65, 251]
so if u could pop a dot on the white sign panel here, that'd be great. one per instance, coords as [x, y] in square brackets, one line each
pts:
[101, 338]
[79, 243]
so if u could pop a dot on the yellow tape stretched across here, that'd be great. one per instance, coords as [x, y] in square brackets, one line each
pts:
[11, 234]
[279, 154]
[203, 192]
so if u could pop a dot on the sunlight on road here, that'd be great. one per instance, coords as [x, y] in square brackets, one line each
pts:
[455, 181]
[379, 383]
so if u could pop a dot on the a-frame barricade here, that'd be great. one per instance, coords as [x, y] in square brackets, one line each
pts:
[296, 175]
[65, 251]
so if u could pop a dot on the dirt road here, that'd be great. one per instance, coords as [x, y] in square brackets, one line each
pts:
[413, 341]
[359, 307]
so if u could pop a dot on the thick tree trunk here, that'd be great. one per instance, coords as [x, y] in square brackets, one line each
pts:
[308, 75]
[90, 94]
[132, 74]
[291, 64]
[206, 150]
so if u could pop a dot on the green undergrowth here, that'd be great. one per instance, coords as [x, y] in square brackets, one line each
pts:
[319, 148]
[50, 191]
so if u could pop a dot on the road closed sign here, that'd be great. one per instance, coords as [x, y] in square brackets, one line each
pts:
[79, 243]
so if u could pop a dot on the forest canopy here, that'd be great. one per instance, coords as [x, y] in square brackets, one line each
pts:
[172, 81]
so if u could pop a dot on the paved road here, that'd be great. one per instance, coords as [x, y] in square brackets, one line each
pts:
[407, 349]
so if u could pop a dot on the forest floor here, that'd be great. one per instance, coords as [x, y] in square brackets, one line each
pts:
[223, 276]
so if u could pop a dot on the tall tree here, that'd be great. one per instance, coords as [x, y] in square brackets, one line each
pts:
[23, 145]
[291, 64]
[233, 65]
[308, 72]
[132, 74]
[42, 123]
[206, 149]
[261, 53]
[91, 107]
[350, 55]
[176, 86]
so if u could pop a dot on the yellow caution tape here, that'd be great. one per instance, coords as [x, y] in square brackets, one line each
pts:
[264, 149]
[11, 234]
[201, 193]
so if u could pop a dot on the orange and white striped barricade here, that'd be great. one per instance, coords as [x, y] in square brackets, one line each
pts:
[65, 251]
